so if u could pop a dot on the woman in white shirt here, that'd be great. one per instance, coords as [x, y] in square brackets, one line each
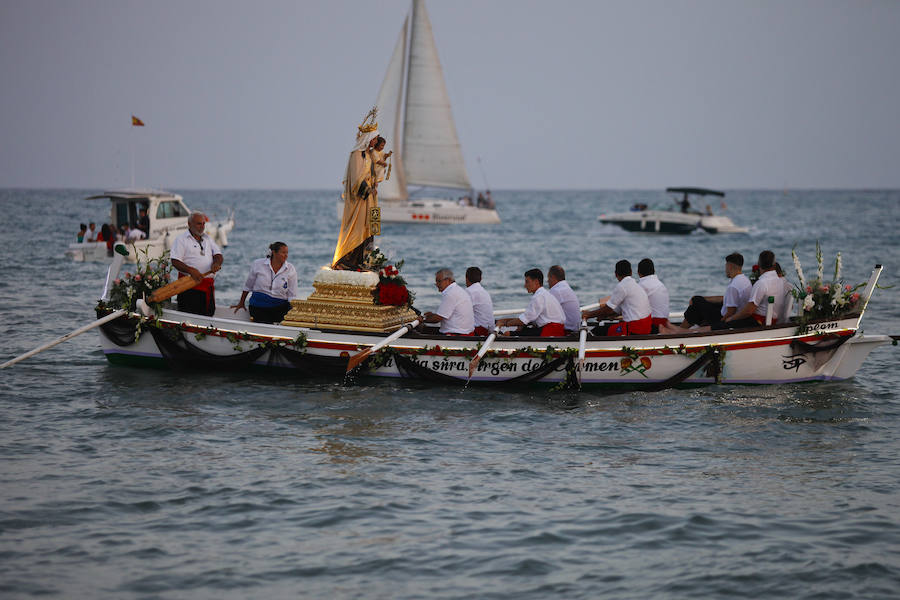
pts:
[273, 281]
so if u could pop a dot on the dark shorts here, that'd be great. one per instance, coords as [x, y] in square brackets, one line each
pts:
[198, 302]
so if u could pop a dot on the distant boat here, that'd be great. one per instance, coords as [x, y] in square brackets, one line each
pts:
[647, 219]
[167, 214]
[414, 116]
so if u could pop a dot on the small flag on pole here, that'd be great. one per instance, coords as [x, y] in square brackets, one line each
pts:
[135, 122]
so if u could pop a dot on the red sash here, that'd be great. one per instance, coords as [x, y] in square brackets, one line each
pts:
[553, 330]
[761, 319]
[639, 327]
[206, 285]
[482, 331]
[659, 321]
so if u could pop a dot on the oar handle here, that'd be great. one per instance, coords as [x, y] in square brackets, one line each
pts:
[354, 360]
[68, 336]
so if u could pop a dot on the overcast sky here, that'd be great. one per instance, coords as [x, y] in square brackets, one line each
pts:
[585, 94]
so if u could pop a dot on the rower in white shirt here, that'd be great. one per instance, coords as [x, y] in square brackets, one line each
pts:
[657, 294]
[560, 289]
[544, 314]
[482, 305]
[628, 299]
[768, 285]
[455, 312]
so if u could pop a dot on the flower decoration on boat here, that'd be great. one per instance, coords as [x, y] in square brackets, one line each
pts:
[754, 274]
[640, 364]
[374, 260]
[149, 275]
[391, 289]
[822, 299]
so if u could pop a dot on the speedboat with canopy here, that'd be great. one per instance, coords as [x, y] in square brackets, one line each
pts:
[682, 219]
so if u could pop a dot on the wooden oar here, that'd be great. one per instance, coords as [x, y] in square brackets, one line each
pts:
[358, 358]
[173, 289]
[582, 343]
[111, 316]
[484, 348]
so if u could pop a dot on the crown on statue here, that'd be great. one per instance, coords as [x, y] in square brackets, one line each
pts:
[369, 124]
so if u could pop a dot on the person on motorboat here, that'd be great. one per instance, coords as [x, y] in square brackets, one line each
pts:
[482, 305]
[194, 254]
[568, 300]
[82, 234]
[544, 316]
[143, 223]
[768, 285]
[273, 283]
[657, 294]
[107, 234]
[92, 232]
[455, 313]
[628, 299]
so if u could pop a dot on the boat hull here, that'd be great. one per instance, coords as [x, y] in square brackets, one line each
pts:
[433, 211]
[822, 352]
[664, 221]
[653, 221]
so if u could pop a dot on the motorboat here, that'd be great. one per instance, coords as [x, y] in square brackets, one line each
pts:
[682, 219]
[167, 215]
[414, 116]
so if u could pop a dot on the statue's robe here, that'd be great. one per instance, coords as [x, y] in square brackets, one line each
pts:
[359, 199]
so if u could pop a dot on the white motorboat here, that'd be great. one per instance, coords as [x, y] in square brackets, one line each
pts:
[666, 220]
[167, 214]
[414, 116]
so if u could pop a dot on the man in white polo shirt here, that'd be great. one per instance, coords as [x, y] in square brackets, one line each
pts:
[194, 254]
[482, 305]
[560, 289]
[544, 316]
[657, 294]
[768, 285]
[628, 299]
[455, 312]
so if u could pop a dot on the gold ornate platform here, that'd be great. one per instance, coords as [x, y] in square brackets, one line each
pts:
[345, 300]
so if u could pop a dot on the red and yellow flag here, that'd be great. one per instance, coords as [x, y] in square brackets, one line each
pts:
[135, 122]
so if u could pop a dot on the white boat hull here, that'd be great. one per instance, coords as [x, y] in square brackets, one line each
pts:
[827, 351]
[667, 221]
[432, 211]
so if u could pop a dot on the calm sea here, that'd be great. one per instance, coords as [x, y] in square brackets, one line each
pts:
[124, 483]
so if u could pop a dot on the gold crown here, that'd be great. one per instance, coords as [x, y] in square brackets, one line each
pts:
[369, 124]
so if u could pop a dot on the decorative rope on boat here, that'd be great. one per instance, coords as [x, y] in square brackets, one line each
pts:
[711, 359]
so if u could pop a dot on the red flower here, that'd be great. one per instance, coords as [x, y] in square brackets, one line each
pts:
[756, 268]
[392, 294]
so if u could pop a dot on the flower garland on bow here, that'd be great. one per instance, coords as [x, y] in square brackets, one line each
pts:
[824, 299]
[150, 274]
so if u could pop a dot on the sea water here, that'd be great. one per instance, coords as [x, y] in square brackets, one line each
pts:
[118, 482]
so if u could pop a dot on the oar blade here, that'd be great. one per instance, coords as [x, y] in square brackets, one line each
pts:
[355, 360]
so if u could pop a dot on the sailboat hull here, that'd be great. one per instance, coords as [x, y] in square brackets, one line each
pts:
[429, 210]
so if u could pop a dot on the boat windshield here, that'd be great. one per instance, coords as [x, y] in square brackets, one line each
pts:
[169, 209]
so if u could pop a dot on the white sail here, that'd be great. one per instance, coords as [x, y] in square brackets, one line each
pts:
[390, 119]
[431, 152]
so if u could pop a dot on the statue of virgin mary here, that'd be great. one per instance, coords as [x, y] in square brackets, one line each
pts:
[360, 199]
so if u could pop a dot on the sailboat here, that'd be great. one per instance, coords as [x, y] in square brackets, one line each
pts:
[414, 117]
